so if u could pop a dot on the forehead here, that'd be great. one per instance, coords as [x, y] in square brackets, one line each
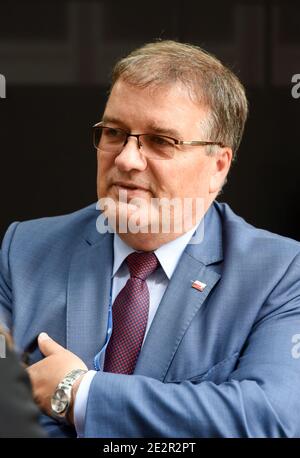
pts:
[168, 106]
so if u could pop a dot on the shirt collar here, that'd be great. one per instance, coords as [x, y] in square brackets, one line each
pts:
[168, 254]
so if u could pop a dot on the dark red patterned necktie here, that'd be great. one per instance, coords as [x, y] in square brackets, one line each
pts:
[130, 315]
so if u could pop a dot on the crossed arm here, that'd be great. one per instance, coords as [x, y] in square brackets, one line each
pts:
[259, 399]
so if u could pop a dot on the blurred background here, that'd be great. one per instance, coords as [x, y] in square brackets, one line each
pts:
[57, 56]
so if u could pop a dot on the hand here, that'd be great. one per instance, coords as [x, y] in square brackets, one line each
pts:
[49, 372]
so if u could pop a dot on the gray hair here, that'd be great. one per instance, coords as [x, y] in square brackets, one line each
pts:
[208, 81]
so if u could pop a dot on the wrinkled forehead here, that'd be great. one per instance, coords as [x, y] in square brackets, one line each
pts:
[168, 105]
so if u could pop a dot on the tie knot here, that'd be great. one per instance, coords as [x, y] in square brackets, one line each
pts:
[141, 265]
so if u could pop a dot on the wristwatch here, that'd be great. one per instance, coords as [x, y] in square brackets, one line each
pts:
[61, 399]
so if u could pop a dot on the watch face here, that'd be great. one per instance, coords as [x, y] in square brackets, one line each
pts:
[60, 401]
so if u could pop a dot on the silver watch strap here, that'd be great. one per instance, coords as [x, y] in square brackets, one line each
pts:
[66, 386]
[71, 377]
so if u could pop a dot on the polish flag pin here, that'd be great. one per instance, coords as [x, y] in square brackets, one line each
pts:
[198, 285]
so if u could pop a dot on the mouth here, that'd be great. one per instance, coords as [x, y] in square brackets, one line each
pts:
[129, 187]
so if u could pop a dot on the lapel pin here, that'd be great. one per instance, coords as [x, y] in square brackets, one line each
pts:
[198, 285]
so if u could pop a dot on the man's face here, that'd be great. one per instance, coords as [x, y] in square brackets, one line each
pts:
[191, 173]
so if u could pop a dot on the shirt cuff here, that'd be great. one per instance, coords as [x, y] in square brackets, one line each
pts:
[81, 402]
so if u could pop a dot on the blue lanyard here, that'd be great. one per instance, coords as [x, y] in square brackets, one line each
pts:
[98, 363]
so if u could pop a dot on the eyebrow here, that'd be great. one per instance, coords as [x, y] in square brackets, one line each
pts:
[151, 126]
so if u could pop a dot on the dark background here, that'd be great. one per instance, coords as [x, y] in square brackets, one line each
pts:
[57, 56]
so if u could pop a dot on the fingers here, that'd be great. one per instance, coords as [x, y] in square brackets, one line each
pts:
[47, 345]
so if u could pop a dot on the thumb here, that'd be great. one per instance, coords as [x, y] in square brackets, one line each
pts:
[47, 345]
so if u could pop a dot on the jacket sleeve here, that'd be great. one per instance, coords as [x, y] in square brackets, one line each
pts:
[260, 398]
[5, 281]
[18, 413]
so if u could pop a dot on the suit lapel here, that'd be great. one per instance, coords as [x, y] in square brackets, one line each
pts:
[88, 296]
[181, 302]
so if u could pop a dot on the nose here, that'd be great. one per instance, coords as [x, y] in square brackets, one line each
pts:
[131, 157]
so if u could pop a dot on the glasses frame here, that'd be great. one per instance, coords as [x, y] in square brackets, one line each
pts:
[137, 136]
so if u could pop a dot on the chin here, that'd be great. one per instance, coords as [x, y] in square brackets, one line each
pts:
[139, 241]
[147, 242]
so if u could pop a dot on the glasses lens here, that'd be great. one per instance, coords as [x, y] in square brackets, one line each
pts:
[157, 146]
[109, 139]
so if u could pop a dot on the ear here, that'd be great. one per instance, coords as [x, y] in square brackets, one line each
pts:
[220, 167]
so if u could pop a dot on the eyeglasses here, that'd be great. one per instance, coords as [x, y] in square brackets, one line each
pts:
[112, 140]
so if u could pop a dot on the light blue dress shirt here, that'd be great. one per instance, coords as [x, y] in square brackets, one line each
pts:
[168, 256]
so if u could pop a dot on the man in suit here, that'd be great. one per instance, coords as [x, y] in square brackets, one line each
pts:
[160, 332]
